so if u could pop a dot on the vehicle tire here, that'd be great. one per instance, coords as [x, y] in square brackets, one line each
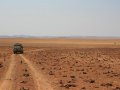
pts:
[21, 52]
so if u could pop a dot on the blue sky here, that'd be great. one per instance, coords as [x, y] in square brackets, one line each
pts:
[60, 17]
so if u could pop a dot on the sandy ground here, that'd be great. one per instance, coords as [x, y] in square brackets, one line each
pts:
[8, 83]
[60, 64]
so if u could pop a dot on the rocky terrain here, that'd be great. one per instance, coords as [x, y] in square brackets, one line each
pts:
[60, 68]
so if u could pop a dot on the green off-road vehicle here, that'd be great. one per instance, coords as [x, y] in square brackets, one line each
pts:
[18, 48]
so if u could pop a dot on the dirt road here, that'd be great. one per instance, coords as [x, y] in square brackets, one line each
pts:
[8, 83]
[40, 81]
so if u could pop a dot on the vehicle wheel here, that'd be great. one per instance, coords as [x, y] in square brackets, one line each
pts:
[21, 52]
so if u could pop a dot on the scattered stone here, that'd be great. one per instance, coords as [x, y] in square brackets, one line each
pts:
[83, 88]
[21, 61]
[64, 75]
[26, 70]
[72, 76]
[69, 81]
[23, 88]
[117, 88]
[40, 63]
[61, 82]
[1, 65]
[90, 81]
[24, 82]
[51, 73]
[96, 87]
[42, 68]
[69, 85]
[84, 73]
[26, 75]
[106, 84]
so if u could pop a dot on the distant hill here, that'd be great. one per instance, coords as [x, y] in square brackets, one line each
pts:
[17, 36]
[76, 37]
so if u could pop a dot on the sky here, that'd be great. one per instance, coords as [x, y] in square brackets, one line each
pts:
[60, 17]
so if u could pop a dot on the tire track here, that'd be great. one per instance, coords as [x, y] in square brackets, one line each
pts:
[8, 80]
[40, 81]
[35, 50]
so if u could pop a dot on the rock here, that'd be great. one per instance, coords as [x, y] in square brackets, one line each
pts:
[107, 84]
[23, 88]
[51, 73]
[61, 82]
[117, 88]
[84, 73]
[26, 74]
[83, 88]
[26, 70]
[72, 76]
[24, 82]
[69, 85]
[1, 65]
[90, 81]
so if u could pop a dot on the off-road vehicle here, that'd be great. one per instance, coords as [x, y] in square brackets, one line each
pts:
[18, 48]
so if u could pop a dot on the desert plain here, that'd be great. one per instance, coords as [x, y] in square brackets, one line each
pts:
[60, 64]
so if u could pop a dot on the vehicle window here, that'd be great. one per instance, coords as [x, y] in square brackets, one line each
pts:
[17, 47]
